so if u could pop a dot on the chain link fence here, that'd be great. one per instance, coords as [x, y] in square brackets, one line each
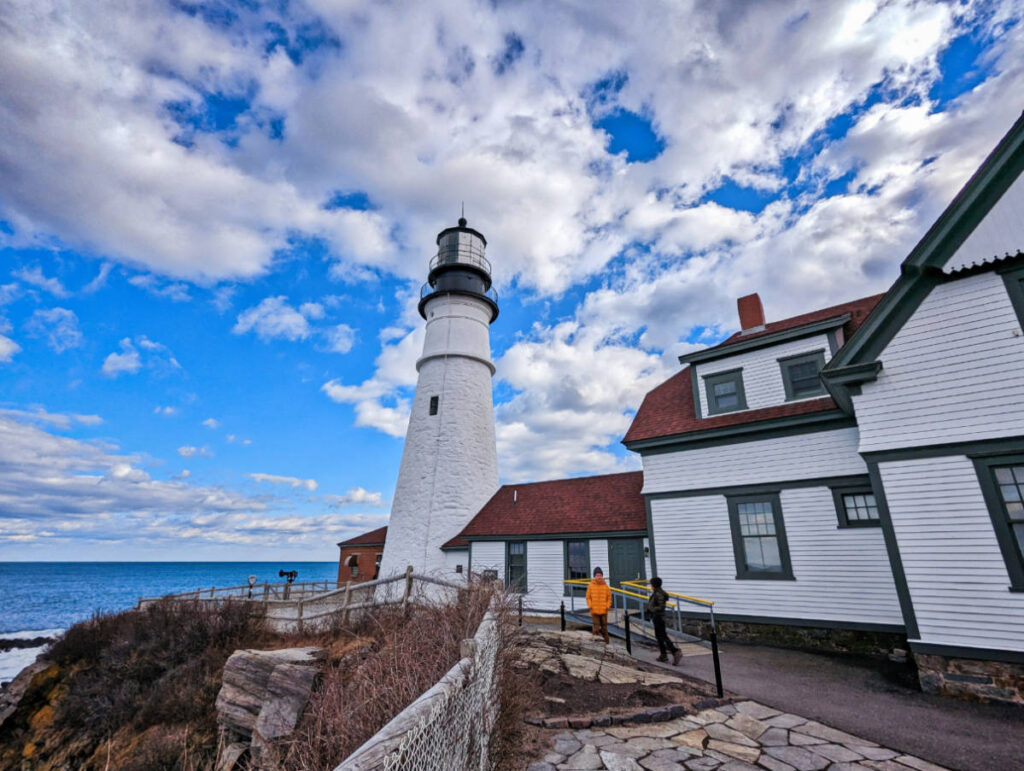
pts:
[448, 727]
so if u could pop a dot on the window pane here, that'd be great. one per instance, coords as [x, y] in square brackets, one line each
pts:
[1004, 476]
[762, 553]
[1018, 472]
[803, 378]
[578, 559]
[860, 507]
[516, 547]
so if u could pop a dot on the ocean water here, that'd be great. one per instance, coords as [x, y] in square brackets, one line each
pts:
[43, 598]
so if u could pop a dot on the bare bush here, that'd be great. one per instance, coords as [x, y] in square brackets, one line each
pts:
[380, 665]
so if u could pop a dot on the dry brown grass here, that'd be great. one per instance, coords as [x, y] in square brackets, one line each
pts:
[381, 663]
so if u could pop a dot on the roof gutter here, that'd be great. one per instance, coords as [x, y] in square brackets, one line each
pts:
[762, 341]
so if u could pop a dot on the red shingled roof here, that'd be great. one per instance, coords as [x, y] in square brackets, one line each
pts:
[608, 503]
[668, 409]
[858, 310]
[373, 538]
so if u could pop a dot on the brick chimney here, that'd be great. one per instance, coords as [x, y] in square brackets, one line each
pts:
[751, 312]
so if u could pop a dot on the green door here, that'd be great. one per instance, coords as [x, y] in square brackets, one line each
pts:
[626, 563]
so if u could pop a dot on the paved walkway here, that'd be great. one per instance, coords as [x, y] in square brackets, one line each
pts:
[746, 736]
[855, 697]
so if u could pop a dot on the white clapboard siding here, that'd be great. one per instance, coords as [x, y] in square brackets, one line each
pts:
[788, 458]
[452, 559]
[952, 373]
[599, 555]
[1001, 232]
[762, 376]
[544, 573]
[954, 568]
[488, 555]
[842, 575]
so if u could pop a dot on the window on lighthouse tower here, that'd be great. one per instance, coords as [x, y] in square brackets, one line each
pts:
[433, 404]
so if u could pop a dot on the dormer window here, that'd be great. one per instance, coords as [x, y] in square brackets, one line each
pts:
[801, 375]
[725, 392]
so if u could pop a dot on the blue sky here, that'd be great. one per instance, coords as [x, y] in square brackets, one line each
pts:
[215, 219]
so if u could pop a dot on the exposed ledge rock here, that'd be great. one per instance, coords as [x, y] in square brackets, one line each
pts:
[261, 699]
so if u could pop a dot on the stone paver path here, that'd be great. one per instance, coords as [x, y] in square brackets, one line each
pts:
[746, 736]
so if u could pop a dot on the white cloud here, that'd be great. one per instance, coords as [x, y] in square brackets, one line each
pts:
[59, 325]
[183, 474]
[100, 280]
[273, 318]
[211, 423]
[312, 310]
[35, 277]
[165, 410]
[158, 357]
[340, 338]
[55, 419]
[274, 479]
[357, 495]
[189, 451]
[174, 291]
[8, 349]
[128, 361]
[9, 293]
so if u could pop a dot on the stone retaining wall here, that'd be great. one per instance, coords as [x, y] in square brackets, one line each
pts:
[801, 637]
[971, 679]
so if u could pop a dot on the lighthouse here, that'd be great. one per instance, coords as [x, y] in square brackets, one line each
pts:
[449, 464]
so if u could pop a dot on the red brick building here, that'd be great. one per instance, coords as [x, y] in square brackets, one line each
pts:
[360, 556]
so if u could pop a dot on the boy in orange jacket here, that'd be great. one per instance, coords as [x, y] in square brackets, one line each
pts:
[599, 600]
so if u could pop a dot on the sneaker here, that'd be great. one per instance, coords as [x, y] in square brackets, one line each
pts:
[662, 657]
[676, 656]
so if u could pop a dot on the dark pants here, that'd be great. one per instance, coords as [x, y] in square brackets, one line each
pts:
[665, 645]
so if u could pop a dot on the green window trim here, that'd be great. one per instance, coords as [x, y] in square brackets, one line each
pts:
[1004, 523]
[843, 504]
[743, 572]
[786, 365]
[730, 376]
[569, 590]
[1014, 281]
[520, 580]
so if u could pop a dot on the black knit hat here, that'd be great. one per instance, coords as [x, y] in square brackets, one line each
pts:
[598, 572]
[656, 582]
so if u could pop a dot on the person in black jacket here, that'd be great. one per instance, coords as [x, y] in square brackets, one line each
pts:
[656, 604]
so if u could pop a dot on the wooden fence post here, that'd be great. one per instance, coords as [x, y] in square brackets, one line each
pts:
[408, 585]
[344, 617]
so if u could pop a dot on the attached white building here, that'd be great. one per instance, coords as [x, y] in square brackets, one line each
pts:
[851, 478]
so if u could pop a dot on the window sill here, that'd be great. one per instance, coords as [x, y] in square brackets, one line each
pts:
[859, 525]
[716, 413]
[765, 577]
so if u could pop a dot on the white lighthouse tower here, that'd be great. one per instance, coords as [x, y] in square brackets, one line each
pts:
[449, 465]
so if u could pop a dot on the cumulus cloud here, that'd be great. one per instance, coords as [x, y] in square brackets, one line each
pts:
[340, 338]
[55, 419]
[165, 410]
[35, 277]
[175, 291]
[127, 361]
[189, 451]
[273, 319]
[55, 491]
[8, 349]
[510, 122]
[153, 356]
[274, 479]
[357, 495]
[58, 325]
[211, 423]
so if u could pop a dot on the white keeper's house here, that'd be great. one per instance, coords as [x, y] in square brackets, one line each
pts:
[851, 478]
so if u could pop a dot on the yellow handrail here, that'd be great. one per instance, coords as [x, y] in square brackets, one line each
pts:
[585, 582]
[642, 584]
